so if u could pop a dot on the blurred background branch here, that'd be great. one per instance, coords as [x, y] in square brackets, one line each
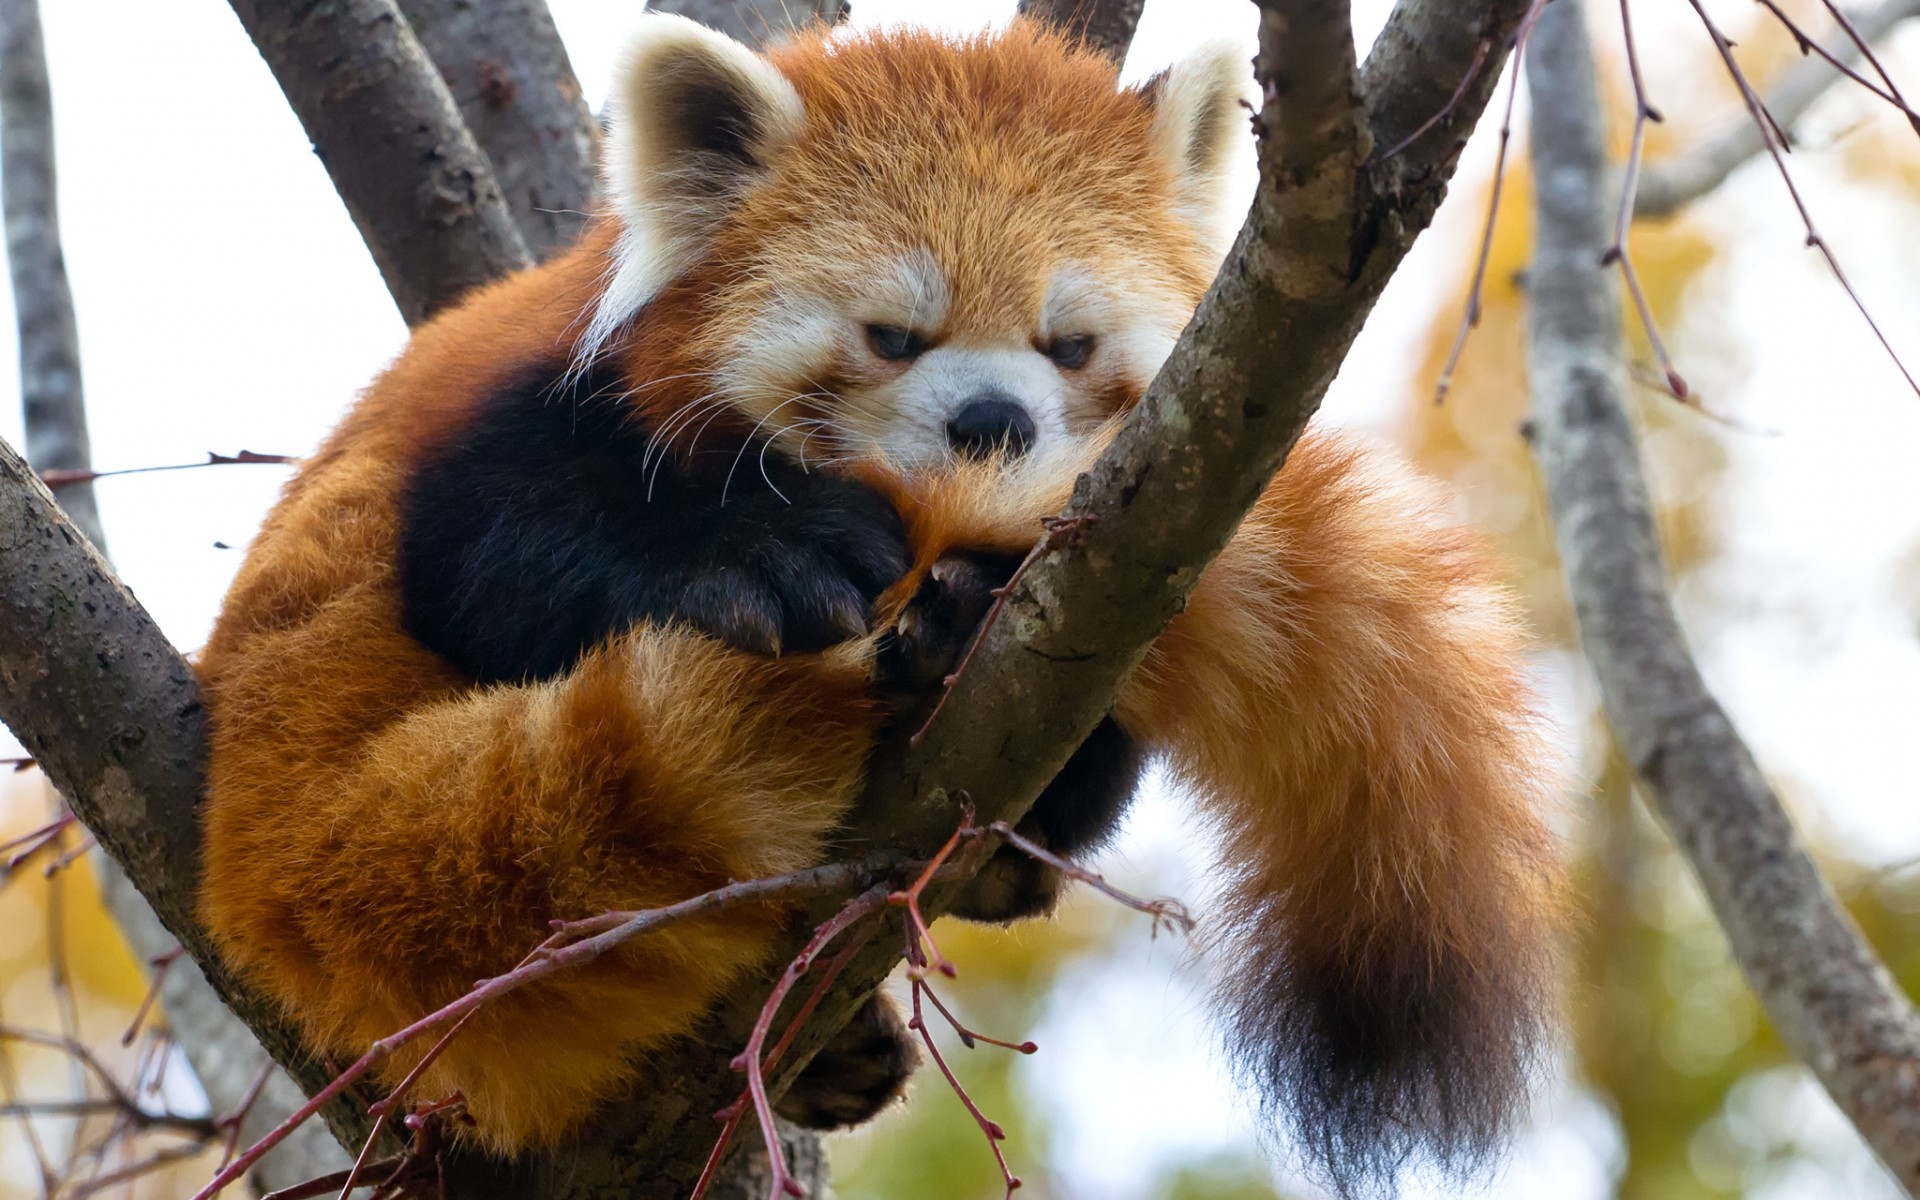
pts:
[1670, 185]
[1830, 997]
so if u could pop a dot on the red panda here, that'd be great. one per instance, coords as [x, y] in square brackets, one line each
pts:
[602, 593]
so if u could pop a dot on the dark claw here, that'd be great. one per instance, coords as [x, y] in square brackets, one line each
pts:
[933, 632]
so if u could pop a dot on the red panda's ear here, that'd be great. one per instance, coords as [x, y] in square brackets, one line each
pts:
[695, 119]
[1199, 121]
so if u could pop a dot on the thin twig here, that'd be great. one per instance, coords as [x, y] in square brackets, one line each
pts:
[1169, 913]
[1470, 320]
[558, 952]
[1447, 110]
[749, 1060]
[1060, 531]
[244, 458]
[995, 1134]
[160, 964]
[1643, 112]
[1775, 144]
[1865, 46]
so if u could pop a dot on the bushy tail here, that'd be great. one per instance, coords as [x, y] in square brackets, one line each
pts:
[1346, 692]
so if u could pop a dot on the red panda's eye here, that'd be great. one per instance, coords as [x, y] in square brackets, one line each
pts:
[1071, 353]
[895, 344]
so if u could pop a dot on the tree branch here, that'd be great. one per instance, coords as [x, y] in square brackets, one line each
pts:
[755, 22]
[383, 122]
[1668, 186]
[1830, 998]
[1105, 25]
[506, 68]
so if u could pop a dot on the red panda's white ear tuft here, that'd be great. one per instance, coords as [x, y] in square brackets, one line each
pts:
[1199, 121]
[695, 119]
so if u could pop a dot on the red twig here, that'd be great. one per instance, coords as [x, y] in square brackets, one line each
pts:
[909, 898]
[1643, 112]
[160, 963]
[24, 762]
[1165, 912]
[1447, 110]
[381, 1108]
[969, 1037]
[153, 1162]
[61, 477]
[749, 1060]
[733, 1113]
[1470, 320]
[1809, 46]
[1776, 142]
[1059, 531]
[238, 1117]
[558, 952]
[35, 840]
[69, 856]
[918, 1023]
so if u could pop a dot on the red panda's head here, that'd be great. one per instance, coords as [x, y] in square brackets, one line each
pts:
[907, 243]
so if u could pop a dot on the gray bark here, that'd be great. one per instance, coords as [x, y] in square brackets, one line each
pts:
[383, 122]
[1829, 997]
[1671, 184]
[506, 68]
[1105, 25]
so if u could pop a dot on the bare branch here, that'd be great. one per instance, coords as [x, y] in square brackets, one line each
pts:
[508, 71]
[1105, 25]
[1669, 186]
[384, 124]
[42, 298]
[755, 22]
[1830, 998]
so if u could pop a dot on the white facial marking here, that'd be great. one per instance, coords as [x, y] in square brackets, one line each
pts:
[947, 378]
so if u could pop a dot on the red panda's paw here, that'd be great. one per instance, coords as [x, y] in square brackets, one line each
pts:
[932, 633]
[861, 1071]
[797, 574]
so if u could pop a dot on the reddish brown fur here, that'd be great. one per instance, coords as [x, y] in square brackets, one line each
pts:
[1344, 691]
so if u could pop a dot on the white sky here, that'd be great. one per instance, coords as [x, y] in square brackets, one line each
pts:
[225, 302]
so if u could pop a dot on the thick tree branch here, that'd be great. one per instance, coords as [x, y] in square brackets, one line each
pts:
[508, 71]
[1670, 185]
[1105, 25]
[755, 22]
[384, 124]
[1829, 997]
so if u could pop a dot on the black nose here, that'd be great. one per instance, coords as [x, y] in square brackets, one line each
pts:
[988, 422]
